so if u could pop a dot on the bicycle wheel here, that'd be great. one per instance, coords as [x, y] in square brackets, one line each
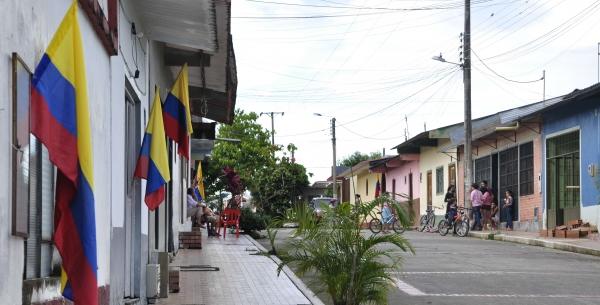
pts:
[422, 223]
[397, 226]
[375, 226]
[443, 227]
[462, 228]
[466, 220]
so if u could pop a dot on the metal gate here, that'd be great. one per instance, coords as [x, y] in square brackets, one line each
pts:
[563, 179]
[509, 180]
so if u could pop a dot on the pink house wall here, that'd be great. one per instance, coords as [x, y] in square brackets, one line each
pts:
[400, 174]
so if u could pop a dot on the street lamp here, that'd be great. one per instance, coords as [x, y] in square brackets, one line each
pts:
[334, 169]
[467, 112]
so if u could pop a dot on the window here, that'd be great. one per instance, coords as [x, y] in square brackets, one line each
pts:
[439, 180]
[33, 182]
[483, 170]
[367, 188]
[526, 169]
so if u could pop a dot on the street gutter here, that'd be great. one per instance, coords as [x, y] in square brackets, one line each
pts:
[539, 242]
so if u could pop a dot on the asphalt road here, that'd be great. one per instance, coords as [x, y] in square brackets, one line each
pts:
[455, 270]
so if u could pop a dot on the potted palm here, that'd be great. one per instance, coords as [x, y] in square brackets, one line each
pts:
[345, 263]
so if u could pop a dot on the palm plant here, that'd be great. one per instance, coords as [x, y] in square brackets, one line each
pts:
[347, 265]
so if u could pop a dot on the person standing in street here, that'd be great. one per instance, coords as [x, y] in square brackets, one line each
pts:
[508, 206]
[476, 203]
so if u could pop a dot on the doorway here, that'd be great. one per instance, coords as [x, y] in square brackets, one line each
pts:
[509, 180]
[132, 208]
[429, 191]
[563, 179]
[410, 186]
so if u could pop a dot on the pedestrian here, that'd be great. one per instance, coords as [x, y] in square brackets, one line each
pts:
[476, 205]
[495, 216]
[450, 198]
[508, 201]
[386, 215]
[486, 208]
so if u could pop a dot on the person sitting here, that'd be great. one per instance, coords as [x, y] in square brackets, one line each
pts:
[194, 208]
[212, 219]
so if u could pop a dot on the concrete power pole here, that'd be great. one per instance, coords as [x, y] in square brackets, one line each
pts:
[334, 168]
[467, 80]
[272, 116]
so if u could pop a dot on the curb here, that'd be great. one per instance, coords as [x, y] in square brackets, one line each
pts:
[312, 298]
[540, 243]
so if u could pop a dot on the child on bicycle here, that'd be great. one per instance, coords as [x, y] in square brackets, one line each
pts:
[386, 214]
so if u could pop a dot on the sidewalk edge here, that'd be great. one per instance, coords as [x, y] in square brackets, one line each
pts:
[540, 243]
[312, 298]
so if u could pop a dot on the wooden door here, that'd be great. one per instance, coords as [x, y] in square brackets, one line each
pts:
[410, 186]
[429, 191]
[452, 174]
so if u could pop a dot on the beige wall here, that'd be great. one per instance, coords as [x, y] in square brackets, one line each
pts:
[430, 160]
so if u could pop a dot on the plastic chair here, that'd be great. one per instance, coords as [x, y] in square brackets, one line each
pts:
[232, 218]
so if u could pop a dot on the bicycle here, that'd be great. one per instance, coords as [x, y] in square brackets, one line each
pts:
[428, 220]
[461, 223]
[376, 224]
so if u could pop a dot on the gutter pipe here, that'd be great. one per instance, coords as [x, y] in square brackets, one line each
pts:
[509, 128]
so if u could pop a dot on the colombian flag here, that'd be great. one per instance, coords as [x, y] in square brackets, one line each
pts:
[377, 187]
[178, 120]
[199, 190]
[153, 163]
[60, 119]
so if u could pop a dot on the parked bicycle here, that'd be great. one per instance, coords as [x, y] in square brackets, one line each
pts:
[376, 224]
[427, 221]
[460, 222]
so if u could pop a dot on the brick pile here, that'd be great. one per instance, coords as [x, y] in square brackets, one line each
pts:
[191, 240]
[573, 229]
[174, 279]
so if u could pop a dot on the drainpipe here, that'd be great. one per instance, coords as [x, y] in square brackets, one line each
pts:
[509, 128]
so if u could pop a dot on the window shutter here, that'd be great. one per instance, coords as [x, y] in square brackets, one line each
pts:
[47, 213]
[32, 246]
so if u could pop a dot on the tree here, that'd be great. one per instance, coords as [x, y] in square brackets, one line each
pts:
[357, 157]
[279, 185]
[349, 266]
[249, 157]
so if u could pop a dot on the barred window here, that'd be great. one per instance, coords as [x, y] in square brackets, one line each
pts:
[439, 180]
[526, 169]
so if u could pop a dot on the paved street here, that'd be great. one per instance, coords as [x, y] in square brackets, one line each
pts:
[453, 270]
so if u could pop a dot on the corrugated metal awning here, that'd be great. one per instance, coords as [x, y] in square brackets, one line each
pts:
[181, 22]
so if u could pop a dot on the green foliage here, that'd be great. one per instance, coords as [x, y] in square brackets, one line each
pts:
[279, 185]
[357, 157]
[347, 265]
[249, 157]
[251, 221]
[328, 192]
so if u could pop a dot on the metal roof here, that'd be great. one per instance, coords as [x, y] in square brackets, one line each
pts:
[487, 125]
[186, 23]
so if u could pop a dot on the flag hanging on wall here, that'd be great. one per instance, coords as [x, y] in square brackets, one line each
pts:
[60, 119]
[176, 113]
[377, 187]
[199, 190]
[153, 163]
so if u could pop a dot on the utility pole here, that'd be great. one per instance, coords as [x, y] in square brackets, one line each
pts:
[599, 62]
[272, 116]
[334, 168]
[467, 80]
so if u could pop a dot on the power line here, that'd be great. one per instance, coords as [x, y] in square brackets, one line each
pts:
[510, 80]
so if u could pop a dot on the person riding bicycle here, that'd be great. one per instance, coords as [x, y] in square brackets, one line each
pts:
[386, 214]
[452, 212]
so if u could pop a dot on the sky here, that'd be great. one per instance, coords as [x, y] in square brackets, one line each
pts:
[368, 63]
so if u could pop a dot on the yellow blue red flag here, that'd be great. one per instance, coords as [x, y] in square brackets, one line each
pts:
[153, 163]
[176, 113]
[377, 187]
[60, 119]
[199, 190]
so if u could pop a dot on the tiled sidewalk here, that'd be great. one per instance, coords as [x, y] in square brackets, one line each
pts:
[242, 278]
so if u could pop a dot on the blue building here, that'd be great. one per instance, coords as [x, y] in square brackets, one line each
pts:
[571, 153]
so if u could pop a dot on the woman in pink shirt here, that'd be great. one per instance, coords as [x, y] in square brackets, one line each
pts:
[476, 204]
